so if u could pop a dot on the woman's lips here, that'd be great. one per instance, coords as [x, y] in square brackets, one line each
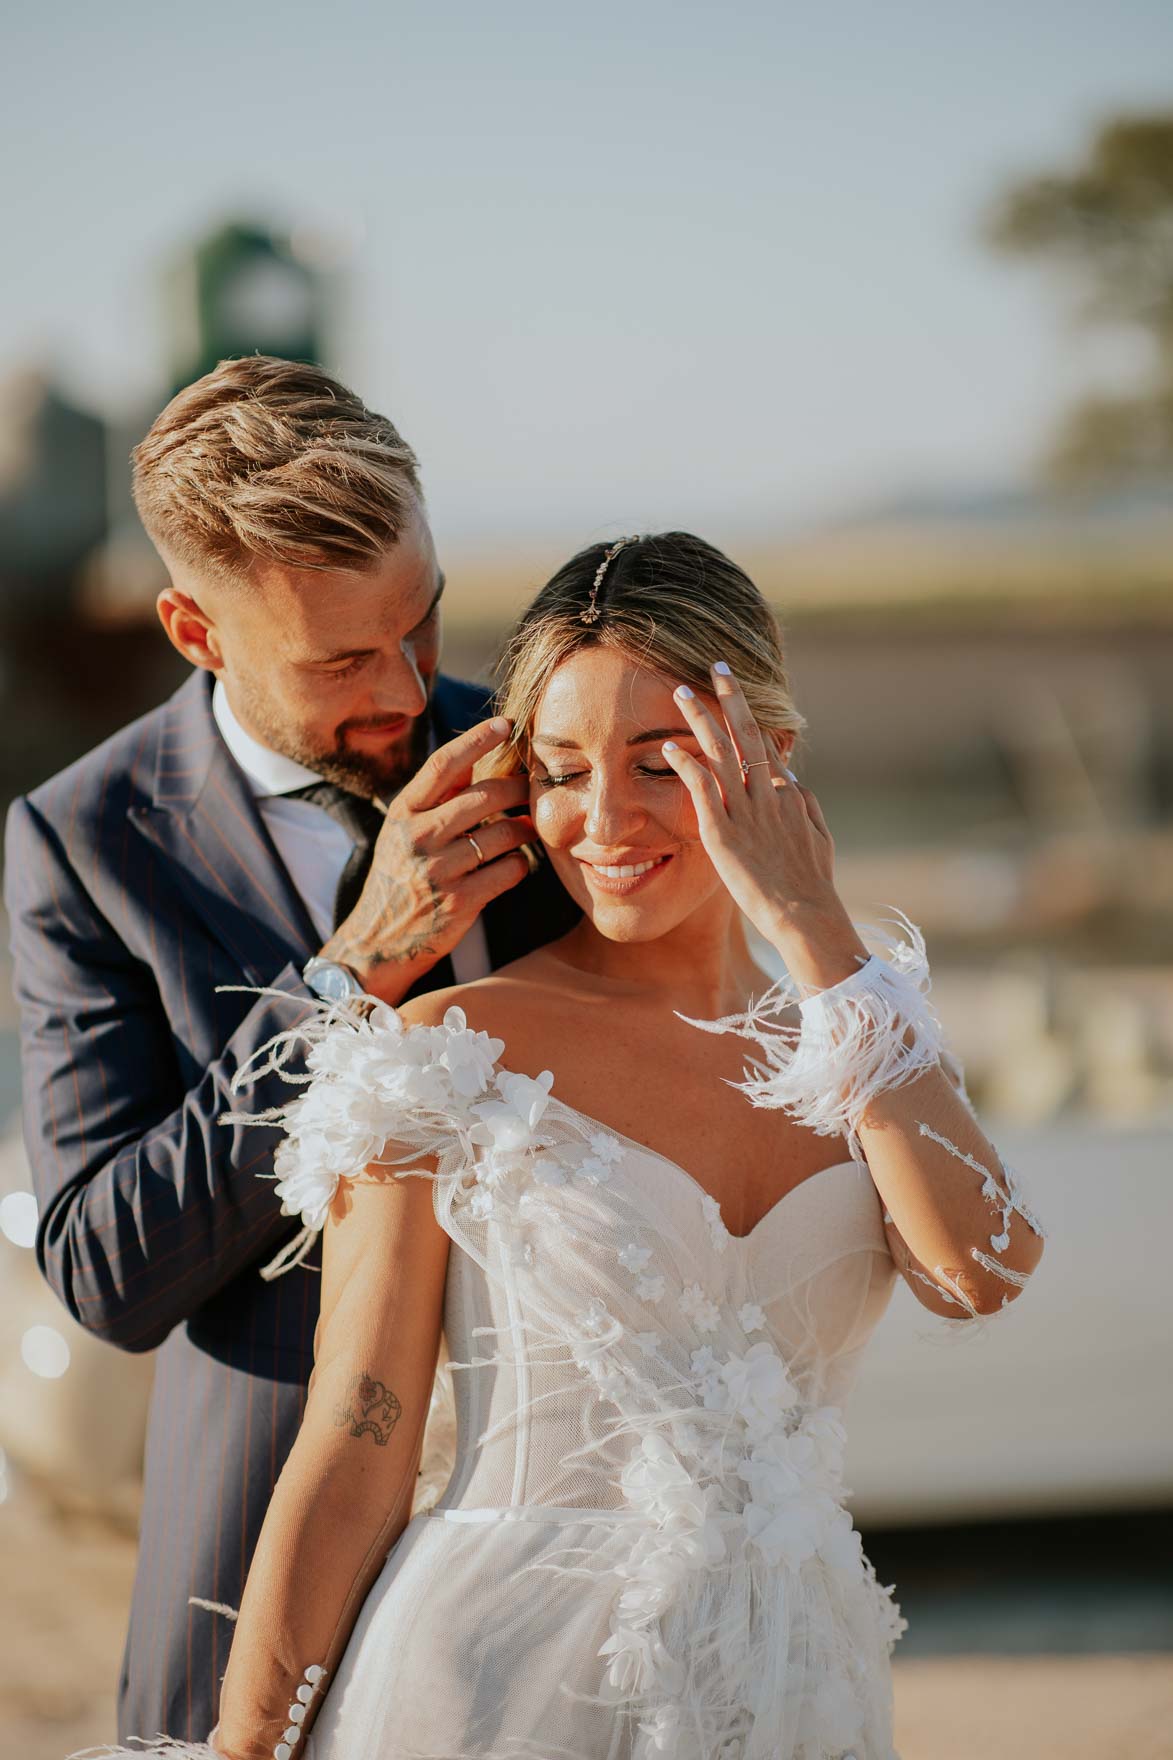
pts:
[622, 884]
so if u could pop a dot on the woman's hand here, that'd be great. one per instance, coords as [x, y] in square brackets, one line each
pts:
[766, 836]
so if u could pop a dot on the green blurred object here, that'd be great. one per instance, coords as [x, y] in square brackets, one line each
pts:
[1108, 226]
[243, 290]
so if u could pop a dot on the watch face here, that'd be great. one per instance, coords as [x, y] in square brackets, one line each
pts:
[333, 983]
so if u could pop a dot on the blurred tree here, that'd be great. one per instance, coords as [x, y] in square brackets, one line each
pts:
[1108, 226]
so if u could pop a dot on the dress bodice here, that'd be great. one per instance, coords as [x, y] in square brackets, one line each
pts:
[647, 1404]
[649, 1289]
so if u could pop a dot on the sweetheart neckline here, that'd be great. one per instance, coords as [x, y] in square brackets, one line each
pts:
[694, 1183]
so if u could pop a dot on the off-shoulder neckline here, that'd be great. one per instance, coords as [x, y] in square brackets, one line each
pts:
[690, 1179]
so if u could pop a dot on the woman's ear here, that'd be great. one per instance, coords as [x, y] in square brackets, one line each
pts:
[783, 743]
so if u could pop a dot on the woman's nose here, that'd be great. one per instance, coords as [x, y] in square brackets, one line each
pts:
[610, 815]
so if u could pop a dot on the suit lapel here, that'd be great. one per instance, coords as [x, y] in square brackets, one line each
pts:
[204, 820]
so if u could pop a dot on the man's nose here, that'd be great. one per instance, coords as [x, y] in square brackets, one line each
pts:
[399, 686]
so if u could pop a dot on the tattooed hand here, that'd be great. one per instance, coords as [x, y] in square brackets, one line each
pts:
[369, 1409]
[427, 883]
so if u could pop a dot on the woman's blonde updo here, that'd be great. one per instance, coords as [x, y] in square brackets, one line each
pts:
[672, 603]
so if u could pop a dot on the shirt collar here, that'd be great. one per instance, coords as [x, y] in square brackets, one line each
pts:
[268, 772]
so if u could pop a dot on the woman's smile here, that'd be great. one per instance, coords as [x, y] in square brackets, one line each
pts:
[624, 877]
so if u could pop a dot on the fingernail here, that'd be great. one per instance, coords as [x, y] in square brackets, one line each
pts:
[721, 668]
[499, 724]
[669, 745]
[682, 690]
[789, 773]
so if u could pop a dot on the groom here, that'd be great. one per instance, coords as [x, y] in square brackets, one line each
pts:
[236, 836]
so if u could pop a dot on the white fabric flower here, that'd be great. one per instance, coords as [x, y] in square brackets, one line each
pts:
[606, 1148]
[650, 1289]
[751, 1317]
[470, 1057]
[509, 1125]
[718, 1233]
[696, 1306]
[547, 1171]
[704, 1360]
[633, 1258]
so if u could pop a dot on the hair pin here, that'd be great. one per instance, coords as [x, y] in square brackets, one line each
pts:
[591, 614]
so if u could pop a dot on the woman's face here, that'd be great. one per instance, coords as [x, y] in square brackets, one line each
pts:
[603, 796]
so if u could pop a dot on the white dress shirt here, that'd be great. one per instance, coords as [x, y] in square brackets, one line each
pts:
[313, 846]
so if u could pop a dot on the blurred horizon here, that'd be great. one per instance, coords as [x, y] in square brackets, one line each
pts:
[625, 270]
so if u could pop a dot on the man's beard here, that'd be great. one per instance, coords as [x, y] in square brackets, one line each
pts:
[366, 774]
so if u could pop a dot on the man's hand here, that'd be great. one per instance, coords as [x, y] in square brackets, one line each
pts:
[427, 885]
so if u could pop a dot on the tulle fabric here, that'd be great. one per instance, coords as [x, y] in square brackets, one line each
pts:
[643, 1547]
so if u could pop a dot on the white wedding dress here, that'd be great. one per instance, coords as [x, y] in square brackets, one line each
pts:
[643, 1547]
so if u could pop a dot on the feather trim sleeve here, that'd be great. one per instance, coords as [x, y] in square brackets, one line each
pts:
[369, 1081]
[842, 1046]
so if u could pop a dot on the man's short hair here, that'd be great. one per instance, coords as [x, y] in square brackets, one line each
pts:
[273, 460]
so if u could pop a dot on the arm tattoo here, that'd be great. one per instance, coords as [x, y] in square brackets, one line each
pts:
[369, 1409]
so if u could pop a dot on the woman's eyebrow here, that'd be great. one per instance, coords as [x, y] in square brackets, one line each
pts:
[635, 739]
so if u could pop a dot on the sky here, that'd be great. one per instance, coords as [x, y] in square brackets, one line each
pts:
[609, 267]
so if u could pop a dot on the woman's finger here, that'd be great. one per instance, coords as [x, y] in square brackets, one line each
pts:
[714, 740]
[752, 748]
[701, 784]
[814, 812]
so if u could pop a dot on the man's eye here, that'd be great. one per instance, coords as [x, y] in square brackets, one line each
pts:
[345, 670]
[556, 781]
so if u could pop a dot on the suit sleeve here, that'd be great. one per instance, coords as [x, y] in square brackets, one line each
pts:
[148, 1205]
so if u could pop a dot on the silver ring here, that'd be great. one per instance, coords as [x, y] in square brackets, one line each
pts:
[477, 847]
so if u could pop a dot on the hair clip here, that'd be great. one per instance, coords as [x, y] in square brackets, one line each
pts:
[592, 613]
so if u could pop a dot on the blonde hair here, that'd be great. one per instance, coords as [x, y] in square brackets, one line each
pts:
[273, 459]
[671, 602]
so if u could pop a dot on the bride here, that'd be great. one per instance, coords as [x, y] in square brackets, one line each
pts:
[653, 1267]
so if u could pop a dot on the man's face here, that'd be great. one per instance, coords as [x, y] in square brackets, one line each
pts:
[333, 668]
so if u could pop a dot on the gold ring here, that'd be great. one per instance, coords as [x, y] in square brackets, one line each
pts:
[477, 847]
[746, 768]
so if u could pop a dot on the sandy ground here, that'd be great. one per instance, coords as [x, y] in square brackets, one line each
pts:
[67, 1584]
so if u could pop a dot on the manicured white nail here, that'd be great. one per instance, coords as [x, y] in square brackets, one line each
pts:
[669, 745]
[721, 668]
[789, 773]
[682, 690]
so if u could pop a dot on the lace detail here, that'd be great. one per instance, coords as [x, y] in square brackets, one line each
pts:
[735, 1550]
[874, 1031]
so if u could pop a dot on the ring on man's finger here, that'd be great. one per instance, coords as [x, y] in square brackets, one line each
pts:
[476, 846]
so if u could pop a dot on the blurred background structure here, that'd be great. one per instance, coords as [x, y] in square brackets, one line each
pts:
[883, 305]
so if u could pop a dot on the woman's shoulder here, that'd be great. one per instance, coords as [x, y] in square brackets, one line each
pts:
[515, 1004]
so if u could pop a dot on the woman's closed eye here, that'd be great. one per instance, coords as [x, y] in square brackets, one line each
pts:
[567, 776]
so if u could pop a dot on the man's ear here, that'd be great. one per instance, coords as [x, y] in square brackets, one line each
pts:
[190, 629]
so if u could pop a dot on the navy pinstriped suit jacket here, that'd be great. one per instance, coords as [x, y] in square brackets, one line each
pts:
[137, 881]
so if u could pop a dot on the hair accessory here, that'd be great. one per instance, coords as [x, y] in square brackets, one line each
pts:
[591, 614]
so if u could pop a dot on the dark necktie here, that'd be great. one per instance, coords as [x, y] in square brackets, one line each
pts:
[362, 822]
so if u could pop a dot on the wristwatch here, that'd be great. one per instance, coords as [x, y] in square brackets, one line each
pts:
[330, 980]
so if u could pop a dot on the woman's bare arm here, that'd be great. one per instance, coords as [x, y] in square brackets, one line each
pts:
[344, 1494]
